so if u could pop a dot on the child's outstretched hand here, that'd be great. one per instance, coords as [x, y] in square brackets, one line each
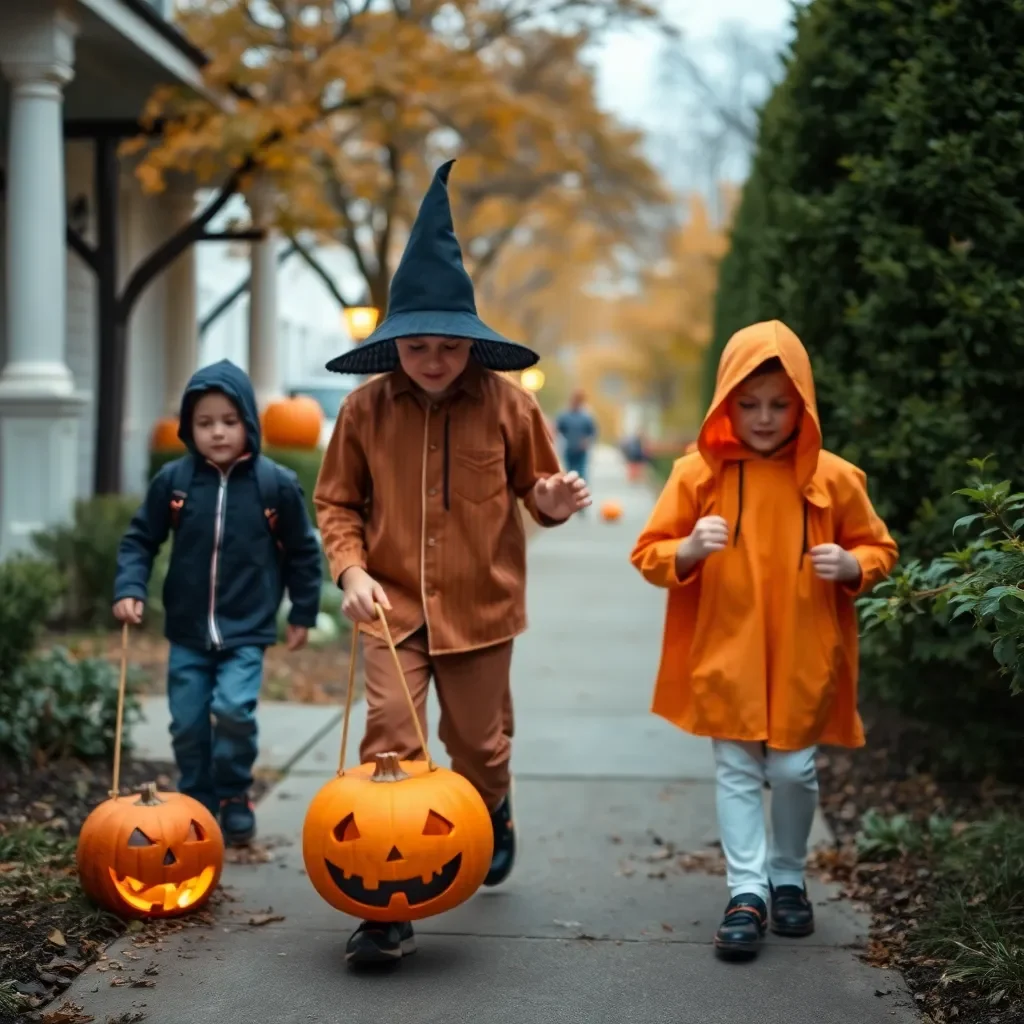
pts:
[362, 593]
[833, 563]
[296, 636]
[129, 609]
[561, 495]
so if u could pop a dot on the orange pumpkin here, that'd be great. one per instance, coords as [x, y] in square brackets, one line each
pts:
[164, 437]
[150, 855]
[611, 511]
[397, 841]
[293, 422]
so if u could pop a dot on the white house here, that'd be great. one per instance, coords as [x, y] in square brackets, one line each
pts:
[74, 76]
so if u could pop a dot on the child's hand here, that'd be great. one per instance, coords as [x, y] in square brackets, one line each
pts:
[561, 495]
[710, 534]
[362, 592]
[129, 609]
[296, 636]
[833, 563]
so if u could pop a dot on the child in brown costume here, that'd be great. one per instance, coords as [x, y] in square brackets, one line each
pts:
[418, 507]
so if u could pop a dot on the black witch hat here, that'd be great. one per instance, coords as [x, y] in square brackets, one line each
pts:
[432, 294]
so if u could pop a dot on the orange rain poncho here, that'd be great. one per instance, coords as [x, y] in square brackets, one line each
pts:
[756, 646]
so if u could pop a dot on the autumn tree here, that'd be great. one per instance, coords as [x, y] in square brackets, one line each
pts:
[347, 108]
[663, 329]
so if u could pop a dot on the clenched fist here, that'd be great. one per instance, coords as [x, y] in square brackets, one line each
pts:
[832, 563]
[709, 535]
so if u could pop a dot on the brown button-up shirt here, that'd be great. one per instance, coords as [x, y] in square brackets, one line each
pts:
[424, 495]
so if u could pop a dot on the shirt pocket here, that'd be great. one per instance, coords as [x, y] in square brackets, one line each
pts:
[479, 474]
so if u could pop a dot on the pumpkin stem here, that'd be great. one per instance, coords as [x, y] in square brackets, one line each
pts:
[388, 769]
[149, 795]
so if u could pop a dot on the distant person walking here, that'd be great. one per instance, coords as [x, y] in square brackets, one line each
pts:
[578, 430]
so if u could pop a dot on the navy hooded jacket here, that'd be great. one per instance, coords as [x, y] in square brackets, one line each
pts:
[226, 579]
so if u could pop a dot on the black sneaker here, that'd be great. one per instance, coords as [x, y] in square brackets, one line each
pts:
[504, 843]
[376, 943]
[792, 913]
[237, 820]
[742, 929]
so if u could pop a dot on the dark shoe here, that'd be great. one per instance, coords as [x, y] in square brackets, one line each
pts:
[742, 929]
[237, 820]
[504, 843]
[376, 943]
[792, 913]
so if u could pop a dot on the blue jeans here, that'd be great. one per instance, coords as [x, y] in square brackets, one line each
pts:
[215, 758]
[577, 462]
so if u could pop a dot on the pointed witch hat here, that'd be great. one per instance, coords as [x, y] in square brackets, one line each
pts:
[432, 294]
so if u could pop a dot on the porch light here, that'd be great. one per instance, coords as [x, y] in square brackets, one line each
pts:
[361, 321]
[532, 379]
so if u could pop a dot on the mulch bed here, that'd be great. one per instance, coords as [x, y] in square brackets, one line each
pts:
[48, 931]
[314, 675]
[890, 775]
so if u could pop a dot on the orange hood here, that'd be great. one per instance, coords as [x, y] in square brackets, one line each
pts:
[746, 350]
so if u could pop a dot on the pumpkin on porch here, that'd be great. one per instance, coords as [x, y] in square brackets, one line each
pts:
[164, 437]
[292, 422]
[150, 855]
[397, 840]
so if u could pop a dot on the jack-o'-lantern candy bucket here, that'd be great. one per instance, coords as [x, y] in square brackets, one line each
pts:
[396, 840]
[148, 854]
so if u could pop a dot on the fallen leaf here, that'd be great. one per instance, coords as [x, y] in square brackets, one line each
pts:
[57, 937]
[262, 919]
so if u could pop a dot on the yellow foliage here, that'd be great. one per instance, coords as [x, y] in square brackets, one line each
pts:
[347, 109]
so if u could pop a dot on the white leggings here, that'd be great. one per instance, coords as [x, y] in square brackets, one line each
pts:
[742, 769]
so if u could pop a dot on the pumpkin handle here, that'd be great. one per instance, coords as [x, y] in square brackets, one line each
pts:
[352, 686]
[115, 783]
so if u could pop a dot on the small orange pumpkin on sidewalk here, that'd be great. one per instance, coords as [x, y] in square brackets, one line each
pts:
[611, 511]
[293, 422]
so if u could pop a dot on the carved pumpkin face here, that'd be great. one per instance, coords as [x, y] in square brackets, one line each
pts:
[394, 841]
[150, 855]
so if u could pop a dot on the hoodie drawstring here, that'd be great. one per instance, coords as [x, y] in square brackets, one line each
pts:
[739, 515]
[739, 509]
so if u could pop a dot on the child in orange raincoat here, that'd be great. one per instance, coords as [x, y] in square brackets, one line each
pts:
[763, 540]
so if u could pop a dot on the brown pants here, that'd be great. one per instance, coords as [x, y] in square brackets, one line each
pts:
[476, 708]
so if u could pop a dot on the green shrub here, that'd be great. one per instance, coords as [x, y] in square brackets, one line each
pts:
[944, 640]
[85, 551]
[29, 590]
[882, 223]
[54, 707]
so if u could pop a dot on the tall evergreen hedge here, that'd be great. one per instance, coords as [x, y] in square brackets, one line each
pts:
[884, 222]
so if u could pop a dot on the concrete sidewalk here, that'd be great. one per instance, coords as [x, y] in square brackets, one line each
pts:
[596, 923]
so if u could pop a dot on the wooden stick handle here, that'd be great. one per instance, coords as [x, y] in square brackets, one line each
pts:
[115, 787]
[401, 677]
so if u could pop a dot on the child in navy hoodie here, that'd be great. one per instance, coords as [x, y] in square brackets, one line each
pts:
[241, 535]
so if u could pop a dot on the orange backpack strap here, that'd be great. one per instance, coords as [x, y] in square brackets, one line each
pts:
[181, 481]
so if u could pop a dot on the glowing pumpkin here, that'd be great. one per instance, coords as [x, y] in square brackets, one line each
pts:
[164, 437]
[293, 422]
[150, 855]
[611, 511]
[397, 841]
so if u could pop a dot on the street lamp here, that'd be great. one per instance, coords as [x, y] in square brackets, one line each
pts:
[532, 379]
[361, 321]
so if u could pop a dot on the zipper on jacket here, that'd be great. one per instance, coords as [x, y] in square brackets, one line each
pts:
[216, 640]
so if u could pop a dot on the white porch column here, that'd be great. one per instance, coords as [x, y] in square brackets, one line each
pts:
[39, 408]
[263, 308]
[181, 337]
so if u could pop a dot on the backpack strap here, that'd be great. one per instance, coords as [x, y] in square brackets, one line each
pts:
[268, 482]
[181, 480]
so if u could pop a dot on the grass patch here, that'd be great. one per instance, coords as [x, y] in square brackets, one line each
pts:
[976, 924]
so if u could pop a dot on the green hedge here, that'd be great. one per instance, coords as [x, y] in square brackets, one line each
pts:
[882, 222]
